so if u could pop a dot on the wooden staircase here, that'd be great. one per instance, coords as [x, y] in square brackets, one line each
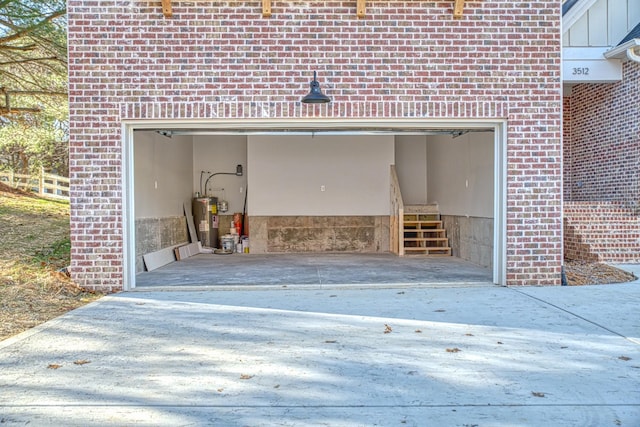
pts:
[424, 234]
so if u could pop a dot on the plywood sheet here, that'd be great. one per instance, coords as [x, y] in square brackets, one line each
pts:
[192, 228]
[157, 259]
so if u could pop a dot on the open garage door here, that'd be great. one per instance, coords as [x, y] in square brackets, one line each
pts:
[312, 191]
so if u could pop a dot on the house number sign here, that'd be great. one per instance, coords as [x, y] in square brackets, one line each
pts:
[591, 71]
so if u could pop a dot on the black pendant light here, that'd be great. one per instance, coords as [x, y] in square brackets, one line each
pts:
[315, 95]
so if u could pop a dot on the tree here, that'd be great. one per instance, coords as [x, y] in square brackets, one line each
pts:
[33, 49]
[33, 80]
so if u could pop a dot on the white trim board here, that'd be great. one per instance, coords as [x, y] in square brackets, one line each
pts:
[337, 126]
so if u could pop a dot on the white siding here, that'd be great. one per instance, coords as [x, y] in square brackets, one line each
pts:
[597, 17]
[633, 13]
[579, 33]
[618, 13]
[605, 24]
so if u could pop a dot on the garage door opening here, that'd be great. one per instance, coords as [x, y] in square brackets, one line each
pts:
[324, 190]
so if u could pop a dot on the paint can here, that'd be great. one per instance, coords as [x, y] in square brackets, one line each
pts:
[227, 242]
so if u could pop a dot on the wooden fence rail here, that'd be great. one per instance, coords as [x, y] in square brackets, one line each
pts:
[45, 184]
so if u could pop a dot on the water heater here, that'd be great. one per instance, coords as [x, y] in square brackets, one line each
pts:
[205, 217]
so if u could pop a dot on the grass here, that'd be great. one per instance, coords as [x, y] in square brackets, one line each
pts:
[34, 245]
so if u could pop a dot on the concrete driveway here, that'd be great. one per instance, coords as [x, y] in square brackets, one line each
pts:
[333, 355]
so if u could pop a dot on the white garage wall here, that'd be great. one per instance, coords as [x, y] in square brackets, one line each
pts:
[162, 174]
[460, 173]
[285, 175]
[221, 153]
[411, 168]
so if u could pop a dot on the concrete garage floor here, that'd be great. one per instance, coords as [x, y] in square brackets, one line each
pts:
[209, 270]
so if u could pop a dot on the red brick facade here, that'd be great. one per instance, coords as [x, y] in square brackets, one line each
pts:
[405, 59]
[602, 170]
[601, 231]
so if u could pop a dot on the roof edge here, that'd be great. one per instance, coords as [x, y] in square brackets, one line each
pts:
[622, 50]
[577, 10]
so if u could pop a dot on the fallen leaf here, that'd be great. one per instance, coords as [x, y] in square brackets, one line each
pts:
[54, 366]
[220, 390]
[537, 394]
[81, 362]
[330, 341]
[625, 358]
[418, 331]
[246, 377]
[387, 329]
[468, 335]
[453, 350]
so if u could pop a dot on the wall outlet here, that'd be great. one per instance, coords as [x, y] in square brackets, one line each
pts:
[322, 188]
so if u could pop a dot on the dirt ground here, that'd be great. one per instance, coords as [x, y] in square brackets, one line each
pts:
[34, 245]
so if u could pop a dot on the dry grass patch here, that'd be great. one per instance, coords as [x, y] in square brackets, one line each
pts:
[34, 245]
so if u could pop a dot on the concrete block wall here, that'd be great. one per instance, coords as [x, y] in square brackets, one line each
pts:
[282, 234]
[470, 238]
[153, 234]
[223, 60]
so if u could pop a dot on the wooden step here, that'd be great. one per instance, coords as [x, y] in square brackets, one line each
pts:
[431, 208]
[421, 224]
[426, 239]
[424, 230]
[433, 251]
[421, 217]
[423, 233]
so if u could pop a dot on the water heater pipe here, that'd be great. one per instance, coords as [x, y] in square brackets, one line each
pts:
[238, 172]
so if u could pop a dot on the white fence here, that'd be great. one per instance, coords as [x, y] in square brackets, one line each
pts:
[45, 184]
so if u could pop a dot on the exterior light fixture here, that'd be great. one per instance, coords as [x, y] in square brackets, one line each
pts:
[315, 95]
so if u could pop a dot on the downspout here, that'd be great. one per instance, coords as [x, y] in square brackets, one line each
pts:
[632, 54]
[628, 49]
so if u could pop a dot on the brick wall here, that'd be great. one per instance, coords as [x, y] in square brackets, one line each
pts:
[604, 145]
[566, 148]
[601, 231]
[602, 170]
[405, 59]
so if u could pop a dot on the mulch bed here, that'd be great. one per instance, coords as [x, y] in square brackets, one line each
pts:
[581, 273]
